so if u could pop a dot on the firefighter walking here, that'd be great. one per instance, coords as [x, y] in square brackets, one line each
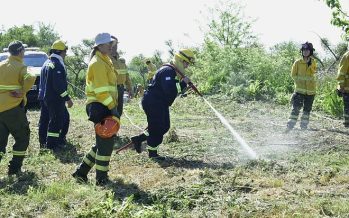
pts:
[15, 82]
[53, 91]
[343, 85]
[102, 102]
[158, 98]
[303, 73]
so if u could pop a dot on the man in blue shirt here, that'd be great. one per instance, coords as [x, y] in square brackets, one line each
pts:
[54, 116]
[161, 93]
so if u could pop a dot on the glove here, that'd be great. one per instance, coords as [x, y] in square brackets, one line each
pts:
[115, 113]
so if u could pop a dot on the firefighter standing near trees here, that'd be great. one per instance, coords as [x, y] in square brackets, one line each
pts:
[343, 85]
[52, 96]
[123, 77]
[303, 73]
[151, 70]
[53, 89]
[15, 82]
[161, 93]
[102, 102]
[139, 91]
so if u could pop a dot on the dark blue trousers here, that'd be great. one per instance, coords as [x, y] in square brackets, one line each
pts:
[45, 119]
[158, 117]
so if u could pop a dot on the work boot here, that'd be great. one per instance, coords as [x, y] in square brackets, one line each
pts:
[304, 126]
[137, 142]
[290, 125]
[102, 178]
[81, 172]
[155, 156]
[15, 165]
[62, 142]
[80, 178]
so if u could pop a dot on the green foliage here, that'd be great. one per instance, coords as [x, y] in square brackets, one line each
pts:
[340, 18]
[77, 65]
[41, 37]
[251, 73]
[327, 99]
[228, 26]
[137, 64]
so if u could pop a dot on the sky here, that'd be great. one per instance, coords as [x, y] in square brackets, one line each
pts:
[144, 26]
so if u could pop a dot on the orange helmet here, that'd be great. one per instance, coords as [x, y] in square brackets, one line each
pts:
[108, 127]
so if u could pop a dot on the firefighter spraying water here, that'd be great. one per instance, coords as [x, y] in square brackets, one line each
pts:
[185, 56]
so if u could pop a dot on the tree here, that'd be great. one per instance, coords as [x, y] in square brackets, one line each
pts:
[340, 18]
[46, 35]
[156, 59]
[228, 27]
[42, 37]
[24, 33]
[137, 64]
[78, 62]
[171, 50]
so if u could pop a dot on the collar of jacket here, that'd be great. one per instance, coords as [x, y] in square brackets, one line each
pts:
[59, 58]
[16, 58]
[105, 58]
[304, 62]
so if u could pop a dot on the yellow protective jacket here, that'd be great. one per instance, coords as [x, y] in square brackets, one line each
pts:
[123, 78]
[14, 76]
[343, 73]
[151, 71]
[304, 77]
[101, 81]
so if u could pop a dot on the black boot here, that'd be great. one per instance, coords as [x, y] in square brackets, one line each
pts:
[153, 154]
[290, 125]
[102, 178]
[137, 142]
[15, 165]
[81, 173]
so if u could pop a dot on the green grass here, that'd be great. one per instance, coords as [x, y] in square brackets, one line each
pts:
[207, 174]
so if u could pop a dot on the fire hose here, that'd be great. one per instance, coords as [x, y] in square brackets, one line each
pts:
[190, 84]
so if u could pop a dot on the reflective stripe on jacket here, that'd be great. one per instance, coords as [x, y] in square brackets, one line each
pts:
[123, 77]
[14, 76]
[343, 73]
[53, 80]
[101, 81]
[304, 77]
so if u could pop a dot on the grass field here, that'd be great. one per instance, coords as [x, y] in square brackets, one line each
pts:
[206, 174]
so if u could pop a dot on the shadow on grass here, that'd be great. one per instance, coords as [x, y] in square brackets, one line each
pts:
[122, 190]
[68, 154]
[192, 164]
[339, 131]
[19, 184]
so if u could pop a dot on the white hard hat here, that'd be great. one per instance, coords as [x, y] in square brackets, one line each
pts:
[102, 38]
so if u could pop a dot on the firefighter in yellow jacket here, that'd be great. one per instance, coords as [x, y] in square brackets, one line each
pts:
[343, 85]
[15, 82]
[303, 73]
[102, 102]
[151, 70]
[123, 77]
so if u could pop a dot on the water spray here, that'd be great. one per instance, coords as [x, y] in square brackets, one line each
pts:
[251, 153]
